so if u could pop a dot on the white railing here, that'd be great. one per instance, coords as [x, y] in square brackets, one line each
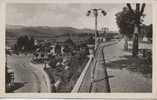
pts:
[80, 80]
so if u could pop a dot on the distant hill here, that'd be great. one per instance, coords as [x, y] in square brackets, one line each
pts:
[14, 31]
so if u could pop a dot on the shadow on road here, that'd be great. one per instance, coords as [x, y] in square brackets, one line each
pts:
[111, 76]
[133, 64]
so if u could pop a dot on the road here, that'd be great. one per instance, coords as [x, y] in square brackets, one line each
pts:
[27, 77]
[121, 79]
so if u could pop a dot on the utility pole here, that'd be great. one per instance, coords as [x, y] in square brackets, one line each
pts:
[98, 70]
[95, 13]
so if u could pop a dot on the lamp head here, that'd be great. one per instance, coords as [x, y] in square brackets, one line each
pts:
[88, 13]
[104, 12]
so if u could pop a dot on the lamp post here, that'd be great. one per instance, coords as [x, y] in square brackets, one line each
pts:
[95, 13]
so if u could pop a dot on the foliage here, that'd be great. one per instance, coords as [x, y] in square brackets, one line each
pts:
[8, 52]
[137, 14]
[24, 44]
[58, 49]
[91, 40]
[149, 30]
[69, 42]
[75, 64]
[53, 62]
[146, 30]
[125, 22]
[150, 33]
[66, 49]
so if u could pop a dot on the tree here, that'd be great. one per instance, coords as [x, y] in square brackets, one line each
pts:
[137, 14]
[25, 44]
[31, 44]
[69, 42]
[150, 33]
[53, 62]
[15, 47]
[146, 31]
[36, 55]
[124, 20]
[66, 49]
[91, 40]
[19, 43]
[58, 49]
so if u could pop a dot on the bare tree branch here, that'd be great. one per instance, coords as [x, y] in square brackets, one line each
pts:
[130, 8]
[138, 15]
[142, 9]
[137, 8]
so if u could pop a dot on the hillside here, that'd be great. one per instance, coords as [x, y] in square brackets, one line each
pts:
[14, 31]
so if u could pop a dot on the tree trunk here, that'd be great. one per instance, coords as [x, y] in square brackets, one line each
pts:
[135, 45]
[135, 42]
[137, 30]
[125, 43]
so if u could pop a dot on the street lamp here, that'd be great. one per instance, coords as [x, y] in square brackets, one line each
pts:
[95, 13]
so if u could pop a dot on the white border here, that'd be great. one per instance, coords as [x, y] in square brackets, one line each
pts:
[76, 95]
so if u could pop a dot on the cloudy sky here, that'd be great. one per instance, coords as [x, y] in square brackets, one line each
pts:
[69, 15]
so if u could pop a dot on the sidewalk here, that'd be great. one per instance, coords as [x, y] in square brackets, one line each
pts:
[99, 73]
[125, 73]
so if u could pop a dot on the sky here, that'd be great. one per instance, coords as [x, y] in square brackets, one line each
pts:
[66, 15]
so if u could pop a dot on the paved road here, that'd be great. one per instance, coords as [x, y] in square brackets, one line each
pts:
[27, 78]
[121, 80]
